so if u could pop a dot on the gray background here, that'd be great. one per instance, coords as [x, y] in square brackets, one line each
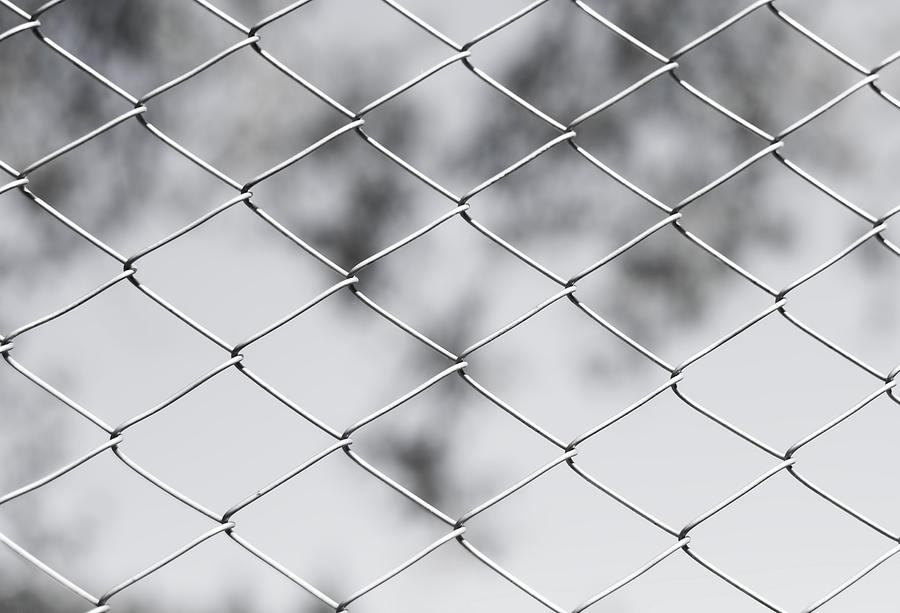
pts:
[337, 526]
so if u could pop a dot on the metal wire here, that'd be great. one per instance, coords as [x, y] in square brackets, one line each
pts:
[457, 360]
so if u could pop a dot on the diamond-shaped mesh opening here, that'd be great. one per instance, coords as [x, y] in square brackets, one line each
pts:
[759, 219]
[419, 445]
[663, 281]
[37, 118]
[656, 457]
[735, 541]
[577, 383]
[678, 583]
[250, 13]
[861, 174]
[862, 309]
[479, 133]
[567, 232]
[127, 502]
[393, 528]
[118, 38]
[301, 38]
[788, 407]
[573, 73]
[548, 510]
[28, 233]
[478, 263]
[270, 119]
[685, 144]
[342, 373]
[251, 584]
[222, 287]
[827, 464]
[203, 457]
[456, 580]
[769, 63]
[143, 192]
[684, 19]
[469, 17]
[31, 418]
[349, 220]
[100, 337]
[869, 49]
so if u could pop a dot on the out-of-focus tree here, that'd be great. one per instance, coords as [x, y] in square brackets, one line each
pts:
[564, 65]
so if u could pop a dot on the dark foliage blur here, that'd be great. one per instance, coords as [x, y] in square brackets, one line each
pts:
[661, 138]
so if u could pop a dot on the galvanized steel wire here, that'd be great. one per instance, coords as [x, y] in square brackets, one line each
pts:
[114, 436]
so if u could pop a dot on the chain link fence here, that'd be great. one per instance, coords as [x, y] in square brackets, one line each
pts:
[457, 359]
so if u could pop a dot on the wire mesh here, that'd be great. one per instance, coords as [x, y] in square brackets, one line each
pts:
[458, 359]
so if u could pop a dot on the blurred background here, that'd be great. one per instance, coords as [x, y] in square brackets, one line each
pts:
[336, 525]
